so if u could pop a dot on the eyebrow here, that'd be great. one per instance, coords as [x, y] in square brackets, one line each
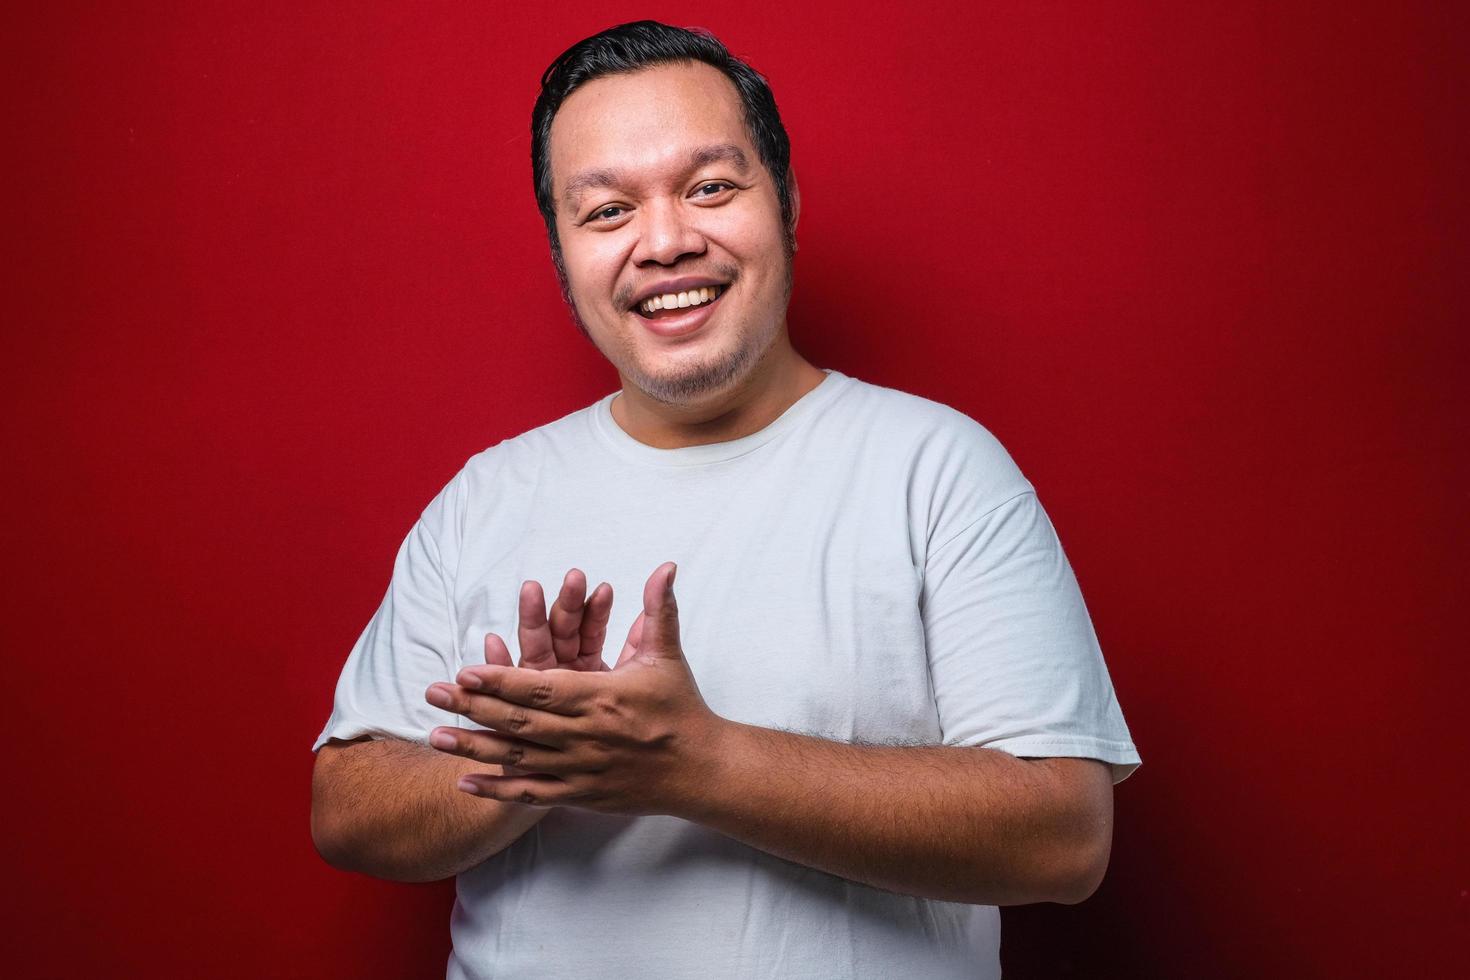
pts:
[702, 156]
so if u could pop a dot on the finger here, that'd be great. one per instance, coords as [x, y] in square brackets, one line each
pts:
[630, 645]
[542, 791]
[558, 692]
[532, 630]
[505, 717]
[566, 617]
[496, 651]
[661, 630]
[496, 749]
[594, 628]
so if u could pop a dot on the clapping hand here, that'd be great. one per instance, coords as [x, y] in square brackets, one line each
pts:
[570, 638]
[637, 739]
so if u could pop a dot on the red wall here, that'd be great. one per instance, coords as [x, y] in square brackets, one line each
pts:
[273, 277]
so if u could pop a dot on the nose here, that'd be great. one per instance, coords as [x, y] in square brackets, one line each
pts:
[666, 234]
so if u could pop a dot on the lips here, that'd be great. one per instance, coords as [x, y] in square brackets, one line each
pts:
[669, 289]
[679, 322]
[670, 304]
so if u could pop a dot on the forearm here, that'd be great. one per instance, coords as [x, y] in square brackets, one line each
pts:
[389, 808]
[957, 824]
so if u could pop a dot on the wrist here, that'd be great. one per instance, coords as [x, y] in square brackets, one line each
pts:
[706, 763]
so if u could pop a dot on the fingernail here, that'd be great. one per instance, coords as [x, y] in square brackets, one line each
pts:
[471, 681]
[441, 740]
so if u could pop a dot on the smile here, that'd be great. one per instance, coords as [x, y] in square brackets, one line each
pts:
[669, 304]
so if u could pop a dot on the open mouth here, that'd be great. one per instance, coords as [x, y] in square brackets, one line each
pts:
[673, 304]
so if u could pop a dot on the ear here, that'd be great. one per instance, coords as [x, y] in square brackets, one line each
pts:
[795, 199]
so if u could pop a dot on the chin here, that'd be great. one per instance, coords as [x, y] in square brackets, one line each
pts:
[684, 383]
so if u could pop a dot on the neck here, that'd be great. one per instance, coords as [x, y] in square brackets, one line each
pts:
[748, 405]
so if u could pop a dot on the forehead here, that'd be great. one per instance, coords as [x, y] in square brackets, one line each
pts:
[645, 122]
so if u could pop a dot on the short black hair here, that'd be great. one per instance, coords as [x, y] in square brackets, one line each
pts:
[643, 44]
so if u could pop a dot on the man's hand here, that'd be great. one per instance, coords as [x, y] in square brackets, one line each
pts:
[571, 638]
[628, 741]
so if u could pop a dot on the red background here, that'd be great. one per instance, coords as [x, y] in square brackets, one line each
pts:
[274, 275]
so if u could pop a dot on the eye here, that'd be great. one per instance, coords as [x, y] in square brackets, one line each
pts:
[719, 187]
[609, 213]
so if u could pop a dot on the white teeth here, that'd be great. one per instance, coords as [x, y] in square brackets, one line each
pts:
[670, 301]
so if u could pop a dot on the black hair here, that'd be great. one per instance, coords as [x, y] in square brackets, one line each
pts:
[643, 44]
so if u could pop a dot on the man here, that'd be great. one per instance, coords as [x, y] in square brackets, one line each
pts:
[877, 709]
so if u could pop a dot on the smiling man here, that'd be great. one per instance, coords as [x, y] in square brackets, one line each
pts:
[877, 710]
[685, 292]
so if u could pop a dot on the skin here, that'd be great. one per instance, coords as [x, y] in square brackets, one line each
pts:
[960, 824]
[662, 220]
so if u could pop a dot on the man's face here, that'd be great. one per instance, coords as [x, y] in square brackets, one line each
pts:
[659, 191]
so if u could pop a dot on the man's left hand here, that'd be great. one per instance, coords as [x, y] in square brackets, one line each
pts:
[634, 740]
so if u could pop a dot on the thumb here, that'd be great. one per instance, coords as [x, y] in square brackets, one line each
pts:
[661, 614]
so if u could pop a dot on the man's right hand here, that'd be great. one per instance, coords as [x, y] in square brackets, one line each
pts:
[570, 638]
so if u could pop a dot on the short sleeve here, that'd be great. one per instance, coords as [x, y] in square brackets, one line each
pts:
[407, 645]
[1013, 656]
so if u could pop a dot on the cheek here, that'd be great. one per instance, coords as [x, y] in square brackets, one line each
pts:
[752, 233]
[593, 267]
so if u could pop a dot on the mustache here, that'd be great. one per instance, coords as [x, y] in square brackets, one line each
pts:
[623, 297]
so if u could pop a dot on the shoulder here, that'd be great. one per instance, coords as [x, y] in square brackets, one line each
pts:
[506, 471]
[955, 469]
[942, 440]
[521, 458]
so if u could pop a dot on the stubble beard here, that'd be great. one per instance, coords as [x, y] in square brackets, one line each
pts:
[687, 382]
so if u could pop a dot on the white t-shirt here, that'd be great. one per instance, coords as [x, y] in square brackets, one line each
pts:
[871, 567]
